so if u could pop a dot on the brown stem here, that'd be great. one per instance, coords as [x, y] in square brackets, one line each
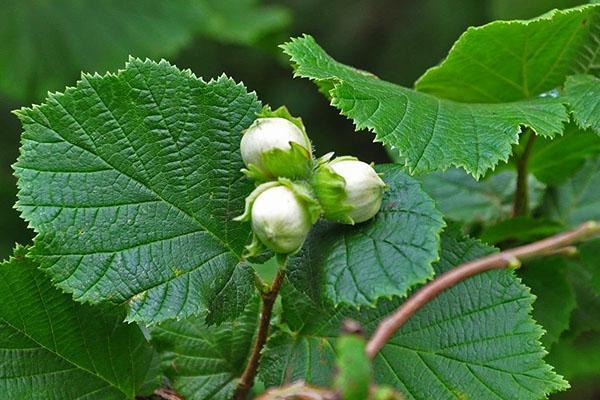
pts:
[299, 391]
[507, 258]
[521, 203]
[268, 300]
[168, 394]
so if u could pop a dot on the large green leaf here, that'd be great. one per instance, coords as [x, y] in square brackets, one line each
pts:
[46, 44]
[583, 93]
[514, 60]
[52, 348]
[431, 133]
[204, 363]
[476, 340]
[383, 257]
[462, 198]
[555, 298]
[131, 181]
[578, 199]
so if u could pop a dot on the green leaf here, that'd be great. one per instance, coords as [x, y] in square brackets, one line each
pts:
[132, 181]
[53, 348]
[430, 133]
[588, 252]
[204, 363]
[462, 198]
[522, 229]
[47, 44]
[577, 357]
[239, 21]
[583, 94]
[475, 340]
[508, 9]
[555, 298]
[553, 161]
[514, 60]
[578, 199]
[383, 257]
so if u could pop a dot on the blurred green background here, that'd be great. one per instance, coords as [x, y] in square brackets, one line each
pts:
[44, 45]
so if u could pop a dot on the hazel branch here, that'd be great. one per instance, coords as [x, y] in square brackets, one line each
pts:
[268, 300]
[508, 258]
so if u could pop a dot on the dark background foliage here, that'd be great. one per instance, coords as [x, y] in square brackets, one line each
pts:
[396, 39]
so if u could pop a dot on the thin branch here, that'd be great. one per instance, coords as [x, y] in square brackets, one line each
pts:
[268, 300]
[508, 258]
[299, 391]
[521, 204]
[168, 394]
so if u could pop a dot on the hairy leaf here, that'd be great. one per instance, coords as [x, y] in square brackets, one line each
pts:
[204, 363]
[98, 35]
[514, 60]
[431, 133]
[383, 257]
[55, 349]
[462, 198]
[583, 93]
[578, 199]
[131, 181]
[476, 340]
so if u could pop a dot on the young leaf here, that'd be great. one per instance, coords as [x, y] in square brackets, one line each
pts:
[204, 363]
[431, 133]
[555, 298]
[132, 181]
[462, 198]
[583, 94]
[578, 199]
[514, 60]
[476, 340]
[45, 45]
[353, 367]
[383, 257]
[55, 349]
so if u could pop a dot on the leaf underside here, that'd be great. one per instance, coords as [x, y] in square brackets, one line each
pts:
[462, 198]
[476, 340]
[383, 257]
[132, 181]
[576, 200]
[55, 349]
[439, 129]
[583, 92]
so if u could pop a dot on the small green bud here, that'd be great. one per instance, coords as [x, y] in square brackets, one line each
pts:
[280, 220]
[273, 147]
[282, 213]
[350, 191]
